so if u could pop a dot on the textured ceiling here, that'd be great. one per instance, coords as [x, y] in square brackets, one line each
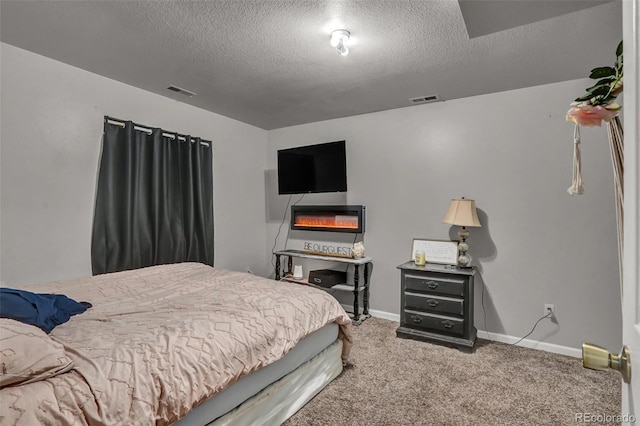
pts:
[269, 62]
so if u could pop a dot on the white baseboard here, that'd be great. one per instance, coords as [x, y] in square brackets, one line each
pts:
[502, 338]
[375, 313]
[385, 315]
[533, 344]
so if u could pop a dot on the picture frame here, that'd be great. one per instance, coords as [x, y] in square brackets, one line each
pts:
[436, 251]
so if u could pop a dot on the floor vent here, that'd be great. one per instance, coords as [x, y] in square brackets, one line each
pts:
[181, 90]
[425, 99]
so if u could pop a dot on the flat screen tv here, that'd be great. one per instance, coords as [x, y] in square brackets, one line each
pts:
[313, 168]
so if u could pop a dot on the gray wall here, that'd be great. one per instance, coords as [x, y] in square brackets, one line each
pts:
[509, 151]
[51, 134]
[512, 153]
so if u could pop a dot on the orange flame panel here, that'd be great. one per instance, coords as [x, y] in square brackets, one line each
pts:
[327, 221]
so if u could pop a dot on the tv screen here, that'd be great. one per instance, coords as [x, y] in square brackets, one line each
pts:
[313, 168]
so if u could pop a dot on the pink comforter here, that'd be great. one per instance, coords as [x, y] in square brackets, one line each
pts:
[160, 340]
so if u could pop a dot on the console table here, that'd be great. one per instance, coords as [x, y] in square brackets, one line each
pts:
[356, 287]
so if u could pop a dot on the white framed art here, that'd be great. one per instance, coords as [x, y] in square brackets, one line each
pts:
[436, 251]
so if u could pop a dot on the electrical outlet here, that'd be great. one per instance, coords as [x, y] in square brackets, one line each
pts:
[550, 309]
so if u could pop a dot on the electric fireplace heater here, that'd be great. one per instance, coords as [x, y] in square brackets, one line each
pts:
[328, 218]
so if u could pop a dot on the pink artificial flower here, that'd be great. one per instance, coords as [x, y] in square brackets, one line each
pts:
[590, 116]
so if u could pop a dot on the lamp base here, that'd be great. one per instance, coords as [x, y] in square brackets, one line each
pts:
[463, 258]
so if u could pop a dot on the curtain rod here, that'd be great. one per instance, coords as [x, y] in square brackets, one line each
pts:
[120, 123]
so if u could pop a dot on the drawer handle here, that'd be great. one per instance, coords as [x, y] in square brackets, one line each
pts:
[416, 319]
[447, 324]
[432, 284]
[433, 303]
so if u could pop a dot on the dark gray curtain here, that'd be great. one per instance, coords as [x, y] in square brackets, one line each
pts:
[154, 201]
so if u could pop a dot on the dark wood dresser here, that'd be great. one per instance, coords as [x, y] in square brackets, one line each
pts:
[437, 304]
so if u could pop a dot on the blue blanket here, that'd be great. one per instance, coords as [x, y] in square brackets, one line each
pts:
[45, 311]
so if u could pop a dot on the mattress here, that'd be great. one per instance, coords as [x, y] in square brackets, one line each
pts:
[250, 385]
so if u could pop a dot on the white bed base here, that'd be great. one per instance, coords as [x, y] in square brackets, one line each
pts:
[282, 399]
[278, 389]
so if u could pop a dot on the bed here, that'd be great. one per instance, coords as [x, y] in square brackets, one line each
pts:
[182, 344]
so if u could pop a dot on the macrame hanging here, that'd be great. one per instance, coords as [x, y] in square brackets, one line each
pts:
[591, 110]
[576, 187]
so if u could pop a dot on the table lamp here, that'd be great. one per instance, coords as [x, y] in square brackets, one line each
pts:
[462, 212]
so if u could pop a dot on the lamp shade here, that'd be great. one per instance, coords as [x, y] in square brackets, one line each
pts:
[462, 212]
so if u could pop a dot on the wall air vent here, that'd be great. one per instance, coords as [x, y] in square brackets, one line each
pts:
[425, 99]
[181, 90]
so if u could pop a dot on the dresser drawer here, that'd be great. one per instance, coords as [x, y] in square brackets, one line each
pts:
[433, 284]
[429, 303]
[440, 324]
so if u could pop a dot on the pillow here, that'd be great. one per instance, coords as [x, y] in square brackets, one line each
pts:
[45, 311]
[28, 355]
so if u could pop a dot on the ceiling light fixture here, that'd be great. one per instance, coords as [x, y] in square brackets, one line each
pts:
[339, 39]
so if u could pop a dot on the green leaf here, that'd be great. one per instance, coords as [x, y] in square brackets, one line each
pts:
[593, 89]
[584, 98]
[600, 91]
[619, 49]
[604, 82]
[602, 72]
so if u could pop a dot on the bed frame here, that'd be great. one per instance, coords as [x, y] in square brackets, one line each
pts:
[276, 392]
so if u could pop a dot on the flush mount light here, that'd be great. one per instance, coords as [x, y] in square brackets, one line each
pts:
[339, 39]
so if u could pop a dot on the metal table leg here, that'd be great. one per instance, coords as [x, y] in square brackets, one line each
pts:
[356, 308]
[365, 296]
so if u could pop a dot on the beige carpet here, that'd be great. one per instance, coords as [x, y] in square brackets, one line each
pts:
[395, 381]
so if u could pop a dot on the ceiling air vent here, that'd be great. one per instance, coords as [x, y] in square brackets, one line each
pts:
[181, 90]
[425, 99]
